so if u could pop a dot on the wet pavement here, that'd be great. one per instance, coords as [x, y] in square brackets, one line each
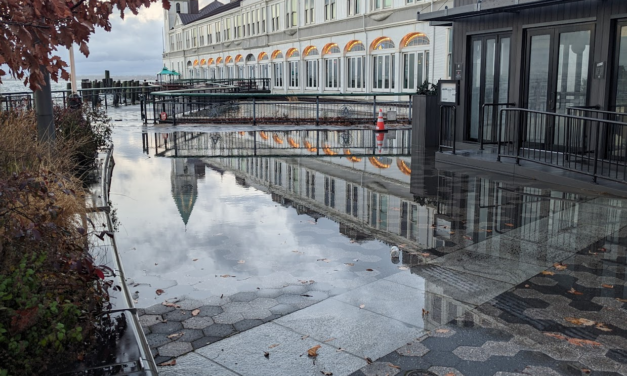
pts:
[274, 254]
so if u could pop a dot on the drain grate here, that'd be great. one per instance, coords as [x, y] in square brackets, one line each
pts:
[420, 372]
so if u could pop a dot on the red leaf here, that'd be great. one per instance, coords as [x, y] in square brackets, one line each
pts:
[99, 273]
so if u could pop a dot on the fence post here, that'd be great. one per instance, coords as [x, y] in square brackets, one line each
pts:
[174, 110]
[454, 108]
[154, 111]
[498, 136]
[254, 111]
[317, 110]
[596, 154]
[410, 108]
[374, 107]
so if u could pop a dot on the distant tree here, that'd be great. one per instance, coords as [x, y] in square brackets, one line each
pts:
[31, 31]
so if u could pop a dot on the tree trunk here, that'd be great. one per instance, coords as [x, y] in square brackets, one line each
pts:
[43, 110]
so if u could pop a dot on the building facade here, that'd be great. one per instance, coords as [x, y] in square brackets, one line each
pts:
[325, 46]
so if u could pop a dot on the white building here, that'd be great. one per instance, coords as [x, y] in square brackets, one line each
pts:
[326, 46]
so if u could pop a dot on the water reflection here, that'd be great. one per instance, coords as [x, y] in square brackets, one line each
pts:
[253, 207]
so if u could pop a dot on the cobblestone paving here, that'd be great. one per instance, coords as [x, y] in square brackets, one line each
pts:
[529, 330]
[174, 331]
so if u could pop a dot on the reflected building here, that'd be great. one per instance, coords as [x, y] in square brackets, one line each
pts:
[412, 203]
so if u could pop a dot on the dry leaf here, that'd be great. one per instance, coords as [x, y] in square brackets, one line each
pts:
[241, 262]
[602, 249]
[425, 312]
[585, 370]
[326, 373]
[369, 270]
[546, 272]
[195, 312]
[273, 346]
[402, 245]
[362, 306]
[467, 237]
[603, 327]
[574, 292]
[584, 322]
[159, 292]
[608, 286]
[170, 363]
[175, 336]
[349, 264]
[452, 232]
[329, 340]
[442, 331]
[557, 335]
[266, 354]
[425, 254]
[195, 260]
[509, 224]
[313, 352]
[227, 276]
[450, 374]
[304, 337]
[168, 304]
[403, 268]
[339, 349]
[393, 366]
[560, 266]
[324, 259]
[368, 360]
[582, 342]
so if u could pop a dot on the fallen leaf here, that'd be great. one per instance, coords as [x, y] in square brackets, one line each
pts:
[273, 346]
[170, 363]
[329, 340]
[195, 260]
[425, 312]
[509, 224]
[241, 262]
[467, 237]
[362, 306]
[304, 337]
[585, 370]
[80, 356]
[608, 286]
[368, 360]
[159, 292]
[369, 270]
[583, 322]
[227, 276]
[425, 254]
[602, 327]
[557, 335]
[402, 245]
[175, 336]
[266, 354]
[393, 366]
[195, 312]
[313, 352]
[582, 342]
[574, 292]
[339, 349]
[452, 232]
[326, 373]
[560, 266]
[221, 296]
[168, 304]
[403, 268]
[324, 259]
[442, 331]
[602, 249]
[450, 374]
[527, 286]
[546, 272]
[349, 264]
[307, 295]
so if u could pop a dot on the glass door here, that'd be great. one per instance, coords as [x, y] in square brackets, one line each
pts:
[489, 84]
[617, 135]
[557, 77]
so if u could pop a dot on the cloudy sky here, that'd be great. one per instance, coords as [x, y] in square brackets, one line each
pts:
[133, 47]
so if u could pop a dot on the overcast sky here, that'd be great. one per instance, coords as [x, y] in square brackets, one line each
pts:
[133, 47]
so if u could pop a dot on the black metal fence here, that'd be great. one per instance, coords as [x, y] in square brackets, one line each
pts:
[220, 104]
[595, 145]
[448, 130]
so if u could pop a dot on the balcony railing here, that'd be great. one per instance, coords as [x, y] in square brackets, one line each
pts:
[594, 144]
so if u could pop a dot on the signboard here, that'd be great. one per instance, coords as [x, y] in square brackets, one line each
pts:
[449, 91]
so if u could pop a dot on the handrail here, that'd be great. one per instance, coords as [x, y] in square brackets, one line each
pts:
[481, 119]
[565, 141]
[277, 95]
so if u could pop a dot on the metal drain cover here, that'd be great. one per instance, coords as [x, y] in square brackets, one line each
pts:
[420, 372]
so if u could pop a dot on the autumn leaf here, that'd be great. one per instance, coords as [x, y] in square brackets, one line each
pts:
[159, 292]
[585, 370]
[560, 266]
[241, 262]
[556, 335]
[393, 366]
[170, 363]
[313, 352]
[323, 259]
[602, 327]
[509, 224]
[349, 264]
[362, 306]
[546, 272]
[227, 276]
[450, 374]
[329, 340]
[368, 360]
[582, 342]
[326, 373]
[574, 292]
[273, 346]
[369, 270]
[168, 304]
[195, 312]
[266, 354]
[583, 322]
[442, 331]
[425, 254]
[607, 286]
[175, 336]
[425, 312]
[195, 260]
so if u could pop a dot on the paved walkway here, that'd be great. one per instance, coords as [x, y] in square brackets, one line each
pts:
[504, 306]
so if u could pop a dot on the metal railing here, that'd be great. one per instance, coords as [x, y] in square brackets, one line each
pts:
[448, 130]
[226, 105]
[593, 146]
[487, 124]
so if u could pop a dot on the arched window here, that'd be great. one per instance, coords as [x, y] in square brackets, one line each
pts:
[331, 66]
[292, 53]
[355, 65]
[414, 40]
[354, 46]
[310, 51]
[415, 63]
[382, 43]
[264, 72]
[311, 67]
[250, 58]
[277, 54]
[331, 48]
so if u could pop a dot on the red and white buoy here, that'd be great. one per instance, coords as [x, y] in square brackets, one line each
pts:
[380, 124]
